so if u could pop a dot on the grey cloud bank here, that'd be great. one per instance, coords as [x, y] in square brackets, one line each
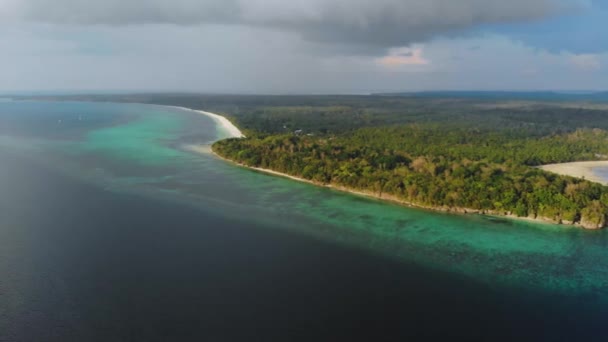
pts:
[369, 22]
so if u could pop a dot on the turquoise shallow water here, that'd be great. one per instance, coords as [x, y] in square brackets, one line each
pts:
[140, 149]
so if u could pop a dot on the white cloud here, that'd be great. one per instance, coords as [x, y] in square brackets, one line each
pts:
[586, 62]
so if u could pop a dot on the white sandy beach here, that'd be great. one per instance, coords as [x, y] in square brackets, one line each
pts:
[579, 170]
[226, 125]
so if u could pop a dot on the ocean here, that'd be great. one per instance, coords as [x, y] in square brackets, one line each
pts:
[111, 229]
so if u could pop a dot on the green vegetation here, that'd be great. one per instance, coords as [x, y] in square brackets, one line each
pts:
[451, 170]
[457, 154]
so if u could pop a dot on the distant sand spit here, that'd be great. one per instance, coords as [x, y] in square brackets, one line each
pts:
[579, 170]
[226, 125]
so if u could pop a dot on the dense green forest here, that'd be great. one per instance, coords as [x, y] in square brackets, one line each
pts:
[450, 153]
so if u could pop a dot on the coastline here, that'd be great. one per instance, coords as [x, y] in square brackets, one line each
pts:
[576, 169]
[582, 169]
[396, 200]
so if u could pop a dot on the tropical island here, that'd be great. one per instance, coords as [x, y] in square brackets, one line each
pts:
[456, 166]
[464, 154]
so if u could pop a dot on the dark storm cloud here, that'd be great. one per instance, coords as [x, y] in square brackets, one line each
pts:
[361, 22]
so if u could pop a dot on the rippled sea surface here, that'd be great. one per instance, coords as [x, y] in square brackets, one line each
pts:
[112, 230]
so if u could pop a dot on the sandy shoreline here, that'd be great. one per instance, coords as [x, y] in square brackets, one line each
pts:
[302, 180]
[578, 170]
[225, 124]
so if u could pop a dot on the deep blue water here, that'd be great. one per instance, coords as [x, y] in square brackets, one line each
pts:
[111, 230]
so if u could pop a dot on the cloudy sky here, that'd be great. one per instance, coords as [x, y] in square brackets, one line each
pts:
[303, 46]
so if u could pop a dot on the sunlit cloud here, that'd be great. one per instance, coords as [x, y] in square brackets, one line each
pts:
[403, 56]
